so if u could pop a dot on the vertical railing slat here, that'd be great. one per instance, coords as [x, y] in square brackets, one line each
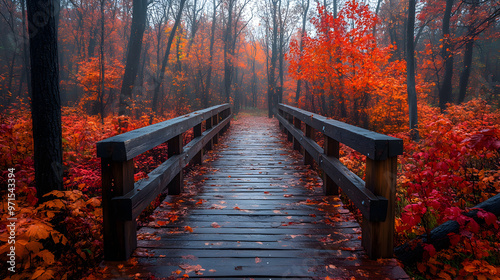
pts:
[308, 160]
[175, 148]
[378, 237]
[296, 142]
[331, 148]
[197, 159]
[119, 236]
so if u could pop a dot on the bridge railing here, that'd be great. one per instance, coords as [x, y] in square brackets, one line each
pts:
[122, 199]
[375, 197]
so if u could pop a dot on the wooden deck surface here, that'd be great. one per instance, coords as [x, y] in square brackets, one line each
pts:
[256, 212]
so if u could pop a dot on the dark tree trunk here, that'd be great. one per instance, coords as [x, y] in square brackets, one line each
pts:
[228, 41]
[254, 83]
[165, 57]
[410, 72]
[45, 99]
[271, 88]
[446, 89]
[376, 13]
[206, 90]
[469, 46]
[26, 54]
[139, 15]
[102, 65]
[464, 76]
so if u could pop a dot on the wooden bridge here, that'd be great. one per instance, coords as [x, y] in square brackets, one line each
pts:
[257, 211]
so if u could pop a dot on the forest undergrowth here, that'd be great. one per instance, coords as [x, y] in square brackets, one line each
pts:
[453, 168]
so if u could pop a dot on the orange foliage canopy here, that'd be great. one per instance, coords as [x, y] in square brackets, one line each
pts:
[342, 61]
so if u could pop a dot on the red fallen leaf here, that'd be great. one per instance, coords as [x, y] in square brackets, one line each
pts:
[347, 249]
[199, 201]
[161, 223]
[257, 260]
[190, 268]
[215, 225]
[188, 228]
[237, 208]
[229, 176]
[266, 192]
[288, 195]
[312, 215]
[212, 270]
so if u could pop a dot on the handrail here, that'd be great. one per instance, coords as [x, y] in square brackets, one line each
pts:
[122, 199]
[375, 197]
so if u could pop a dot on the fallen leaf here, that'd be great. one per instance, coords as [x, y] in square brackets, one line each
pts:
[257, 260]
[188, 228]
[190, 268]
[215, 225]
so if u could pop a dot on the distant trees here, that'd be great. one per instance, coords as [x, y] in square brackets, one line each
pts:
[45, 99]
[139, 16]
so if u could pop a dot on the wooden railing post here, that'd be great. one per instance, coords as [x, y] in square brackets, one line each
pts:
[296, 142]
[280, 112]
[119, 236]
[208, 125]
[289, 135]
[215, 121]
[226, 114]
[378, 237]
[197, 159]
[331, 148]
[308, 159]
[175, 148]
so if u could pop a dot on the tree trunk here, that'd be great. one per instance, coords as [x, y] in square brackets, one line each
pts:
[26, 54]
[102, 62]
[301, 48]
[464, 76]
[227, 52]
[271, 88]
[447, 54]
[45, 101]
[206, 90]
[410, 72]
[165, 58]
[139, 15]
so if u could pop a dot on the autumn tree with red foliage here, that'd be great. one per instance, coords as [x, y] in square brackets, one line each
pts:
[343, 62]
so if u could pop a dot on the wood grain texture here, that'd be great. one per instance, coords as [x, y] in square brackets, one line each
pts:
[371, 144]
[133, 143]
[257, 212]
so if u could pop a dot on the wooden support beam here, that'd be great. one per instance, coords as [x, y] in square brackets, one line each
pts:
[332, 149]
[119, 236]
[308, 159]
[378, 237]
[174, 148]
[289, 117]
[297, 125]
[215, 121]
[199, 155]
[208, 125]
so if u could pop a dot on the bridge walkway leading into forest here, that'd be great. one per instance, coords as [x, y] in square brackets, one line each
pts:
[253, 211]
